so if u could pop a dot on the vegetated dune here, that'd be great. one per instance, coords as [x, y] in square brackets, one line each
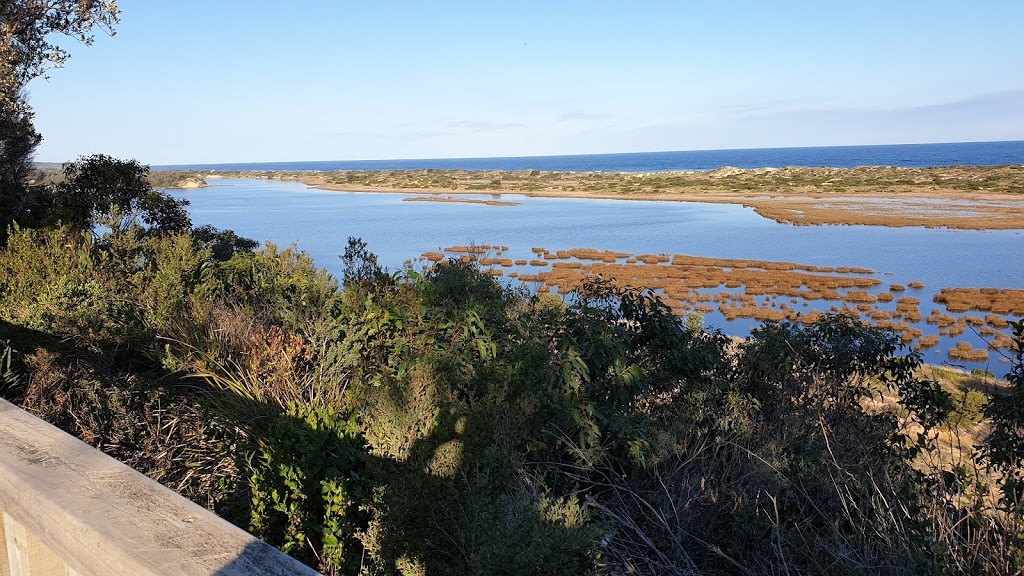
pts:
[965, 197]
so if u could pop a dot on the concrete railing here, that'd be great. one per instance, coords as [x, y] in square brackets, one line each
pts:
[69, 509]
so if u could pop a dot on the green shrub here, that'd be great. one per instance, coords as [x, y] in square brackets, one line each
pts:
[441, 423]
[968, 409]
[307, 485]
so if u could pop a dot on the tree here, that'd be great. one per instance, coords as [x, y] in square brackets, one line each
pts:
[27, 29]
[102, 191]
[26, 33]
[223, 244]
[18, 141]
[360, 265]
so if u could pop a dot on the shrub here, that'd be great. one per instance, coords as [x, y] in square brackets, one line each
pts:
[307, 485]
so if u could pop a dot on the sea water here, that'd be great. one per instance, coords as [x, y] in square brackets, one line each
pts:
[904, 155]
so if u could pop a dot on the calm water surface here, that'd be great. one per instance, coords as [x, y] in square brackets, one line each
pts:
[320, 222]
[905, 155]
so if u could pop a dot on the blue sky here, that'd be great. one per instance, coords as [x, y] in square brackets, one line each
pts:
[247, 81]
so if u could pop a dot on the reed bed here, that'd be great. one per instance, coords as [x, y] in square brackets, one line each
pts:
[964, 351]
[982, 299]
[766, 290]
[684, 259]
[879, 314]
[1002, 341]
[909, 308]
[592, 254]
[940, 318]
[996, 321]
[480, 249]
[504, 262]
[910, 334]
[955, 329]
[459, 200]
[860, 296]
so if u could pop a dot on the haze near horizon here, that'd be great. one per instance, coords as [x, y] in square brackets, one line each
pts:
[198, 82]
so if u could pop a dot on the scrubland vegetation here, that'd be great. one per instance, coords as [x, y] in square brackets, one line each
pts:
[440, 422]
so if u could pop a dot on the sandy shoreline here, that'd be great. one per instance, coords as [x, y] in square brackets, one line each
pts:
[974, 198]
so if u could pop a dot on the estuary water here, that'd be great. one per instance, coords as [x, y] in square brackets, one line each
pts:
[320, 222]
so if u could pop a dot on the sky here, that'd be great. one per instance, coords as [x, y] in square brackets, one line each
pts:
[208, 81]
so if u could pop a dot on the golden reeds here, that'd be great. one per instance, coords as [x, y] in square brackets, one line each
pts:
[764, 290]
[982, 299]
[964, 351]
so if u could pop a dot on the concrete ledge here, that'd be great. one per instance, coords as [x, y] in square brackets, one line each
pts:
[100, 517]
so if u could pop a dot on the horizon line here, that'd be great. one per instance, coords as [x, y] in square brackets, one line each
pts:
[573, 155]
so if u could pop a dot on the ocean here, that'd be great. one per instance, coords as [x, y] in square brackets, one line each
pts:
[904, 155]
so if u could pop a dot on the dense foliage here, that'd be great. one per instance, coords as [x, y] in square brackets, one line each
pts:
[439, 422]
[29, 46]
